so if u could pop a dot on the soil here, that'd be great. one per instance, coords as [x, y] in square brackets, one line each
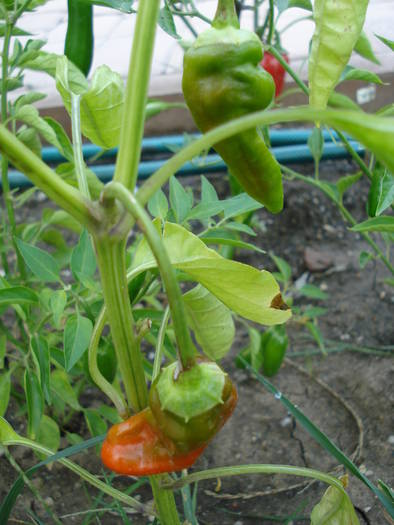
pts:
[346, 394]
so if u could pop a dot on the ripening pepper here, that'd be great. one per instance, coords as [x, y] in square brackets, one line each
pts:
[222, 80]
[136, 447]
[276, 70]
[192, 406]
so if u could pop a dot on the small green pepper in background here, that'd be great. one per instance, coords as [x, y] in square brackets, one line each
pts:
[78, 47]
[273, 345]
[222, 80]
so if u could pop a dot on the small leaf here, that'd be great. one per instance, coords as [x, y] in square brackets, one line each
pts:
[16, 31]
[40, 348]
[386, 41]
[49, 434]
[62, 388]
[302, 4]
[381, 192]
[17, 295]
[315, 311]
[352, 73]
[365, 257]
[7, 433]
[346, 182]
[239, 204]
[41, 263]
[77, 333]
[57, 304]
[166, 21]
[211, 322]
[208, 192]
[316, 144]
[335, 508]
[377, 224]
[317, 335]
[240, 227]
[312, 291]
[34, 401]
[364, 48]
[5, 389]
[83, 258]
[283, 267]
[96, 424]
[179, 200]
[205, 210]
[226, 241]
[158, 205]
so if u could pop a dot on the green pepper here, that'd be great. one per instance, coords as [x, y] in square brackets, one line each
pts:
[191, 406]
[273, 344]
[222, 80]
[78, 47]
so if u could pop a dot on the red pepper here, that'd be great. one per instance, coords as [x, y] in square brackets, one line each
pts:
[275, 69]
[136, 447]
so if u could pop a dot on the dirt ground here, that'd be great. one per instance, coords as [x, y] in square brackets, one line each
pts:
[346, 394]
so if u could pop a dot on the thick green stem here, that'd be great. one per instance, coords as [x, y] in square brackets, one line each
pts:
[112, 265]
[67, 197]
[79, 163]
[136, 94]
[165, 502]
[104, 385]
[186, 352]
[271, 23]
[225, 15]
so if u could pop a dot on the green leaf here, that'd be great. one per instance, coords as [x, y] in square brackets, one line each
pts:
[346, 182]
[338, 28]
[317, 335]
[364, 48]
[57, 304]
[77, 333]
[283, 267]
[41, 263]
[45, 127]
[61, 387]
[315, 311]
[365, 257]
[40, 348]
[302, 4]
[125, 6]
[386, 41]
[335, 508]
[205, 210]
[179, 200]
[376, 224]
[16, 31]
[381, 192]
[17, 295]
[30, 139]
[239, 204]
[28, 98]
[339, 100]
[352, 73]
[96, 424]
[316, 143]
[240, 227]
[5, 389]
[226, 241]
[158, 205]
[34, 401]
[101, 106]
[7, 433]
[3, 350]
[245, 290]
[208, 192]
[66, 148]
[83, 258]
[211, 322]
[166, 21]
[49, 434]
[312, 291]
[155, 107]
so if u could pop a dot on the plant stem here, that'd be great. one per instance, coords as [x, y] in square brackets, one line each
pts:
[222, 472]
[271, 23]
[79, 163]
[104, 385]
[67, 197]
[126, 168]
[348, 216]
[160, 343]
[186, 354]
[225, 15]
[111, 260]
[165, 502]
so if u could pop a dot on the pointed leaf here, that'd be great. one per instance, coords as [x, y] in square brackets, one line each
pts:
[381, 192]
[179, 200]
[41, 263]
[377, 224]
[364, 48]
[49, 434]
[61, 387]
[34, 401]
[17, 295]
[335, 508]
[5, 389]
[83, 258]
[77, 333]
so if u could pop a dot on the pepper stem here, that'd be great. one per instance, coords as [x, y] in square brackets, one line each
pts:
[186, 352]
[225, 15]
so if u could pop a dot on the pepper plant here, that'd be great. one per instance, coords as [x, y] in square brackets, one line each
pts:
[167, 427]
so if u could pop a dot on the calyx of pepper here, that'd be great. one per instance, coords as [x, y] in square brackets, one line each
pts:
[191, 392]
